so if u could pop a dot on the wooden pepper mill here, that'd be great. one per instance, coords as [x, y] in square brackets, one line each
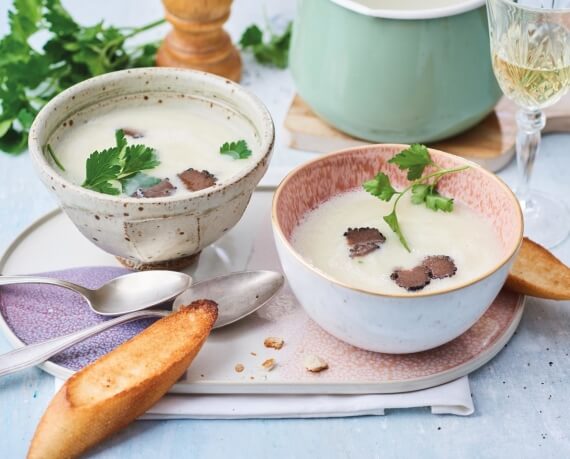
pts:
[198, 40]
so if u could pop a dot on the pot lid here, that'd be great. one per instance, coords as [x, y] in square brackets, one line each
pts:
[392, 9]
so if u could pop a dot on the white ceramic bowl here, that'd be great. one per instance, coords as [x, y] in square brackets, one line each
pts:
[391, 323]
[153, 232]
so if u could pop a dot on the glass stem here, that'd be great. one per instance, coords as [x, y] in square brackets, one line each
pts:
[529, 125]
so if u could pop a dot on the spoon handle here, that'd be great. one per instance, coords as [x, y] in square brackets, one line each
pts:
[11, 280]
[34, 354]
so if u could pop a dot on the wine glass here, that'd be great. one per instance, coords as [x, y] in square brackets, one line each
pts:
[530, 50]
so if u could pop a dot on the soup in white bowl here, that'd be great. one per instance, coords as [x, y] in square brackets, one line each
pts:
[463, 236]
[186, 135]
[315, 206]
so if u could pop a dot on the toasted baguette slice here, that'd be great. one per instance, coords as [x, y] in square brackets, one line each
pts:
[113, 391]
[536, 272]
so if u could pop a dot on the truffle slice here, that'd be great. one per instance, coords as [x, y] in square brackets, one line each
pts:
[356, 236]
[362, 249]
[133, 133]
[161, 189]
[195, 180]
[411, 279]
[363, 240]
[440, 266]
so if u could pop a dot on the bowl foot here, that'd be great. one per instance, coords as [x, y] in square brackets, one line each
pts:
[177, 264]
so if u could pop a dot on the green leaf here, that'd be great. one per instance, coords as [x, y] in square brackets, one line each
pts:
[108, 187]
[120, 139]
[59, 20]
[274, 52]
[237, 150]
[13, 141]
[419, 193]
[101, 171]
[435, 201]
[380, 187]
[4, 126]
[251, 36]
[24, 19]
[394, 225]
[138, 158]
[413, 159]
[140, 180]
[26, 118]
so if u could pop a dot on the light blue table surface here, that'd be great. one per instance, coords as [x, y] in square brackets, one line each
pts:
[522, 397]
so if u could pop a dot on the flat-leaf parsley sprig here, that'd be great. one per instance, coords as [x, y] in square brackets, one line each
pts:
[109, 171]
[414, 160]
[31, 73]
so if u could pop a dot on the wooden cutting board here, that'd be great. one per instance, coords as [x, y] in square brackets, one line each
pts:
[490, 143]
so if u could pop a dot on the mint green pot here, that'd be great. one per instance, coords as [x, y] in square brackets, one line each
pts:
[406, 78]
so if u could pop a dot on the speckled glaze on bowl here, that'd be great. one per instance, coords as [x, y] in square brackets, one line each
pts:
[392, 323]
[153, 232]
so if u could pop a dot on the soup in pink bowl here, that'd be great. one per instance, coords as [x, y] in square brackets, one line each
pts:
[386, 291]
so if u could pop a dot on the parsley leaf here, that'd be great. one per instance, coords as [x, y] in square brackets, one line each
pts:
[138, 158]
[394, 225]
[414, 159]
[237, 150]
[419, 193]
[380, 187]
[435, 201]
[101, 171]
[252, 36]
[274, 51]
[117, 168]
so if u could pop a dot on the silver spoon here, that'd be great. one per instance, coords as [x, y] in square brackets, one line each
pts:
[238, 295]
[128, 293]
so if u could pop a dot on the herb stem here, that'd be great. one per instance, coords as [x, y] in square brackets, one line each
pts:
[144, 28]
[437, 174]
[440, 173]
[54, 158]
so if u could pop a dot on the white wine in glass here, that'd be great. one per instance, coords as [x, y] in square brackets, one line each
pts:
[530, 47]
[536, 87]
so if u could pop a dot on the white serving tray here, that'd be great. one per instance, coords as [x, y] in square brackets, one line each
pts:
[53, 243]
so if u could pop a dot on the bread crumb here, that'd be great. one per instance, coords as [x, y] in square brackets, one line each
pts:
[314, 363]
[254, 354]
[239, 368]
[274, 343]
[269, 364]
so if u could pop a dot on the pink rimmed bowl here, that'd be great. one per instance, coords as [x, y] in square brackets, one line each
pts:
[392, 323]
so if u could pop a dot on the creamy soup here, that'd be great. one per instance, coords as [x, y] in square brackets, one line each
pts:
[185, 132]
[464, 236]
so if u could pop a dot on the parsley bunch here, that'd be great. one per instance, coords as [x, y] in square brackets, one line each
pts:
[424, 189]
[119, 168]
[30, 77]
[274, 51]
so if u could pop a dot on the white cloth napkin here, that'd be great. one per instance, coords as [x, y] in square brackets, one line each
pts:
[451, 398]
